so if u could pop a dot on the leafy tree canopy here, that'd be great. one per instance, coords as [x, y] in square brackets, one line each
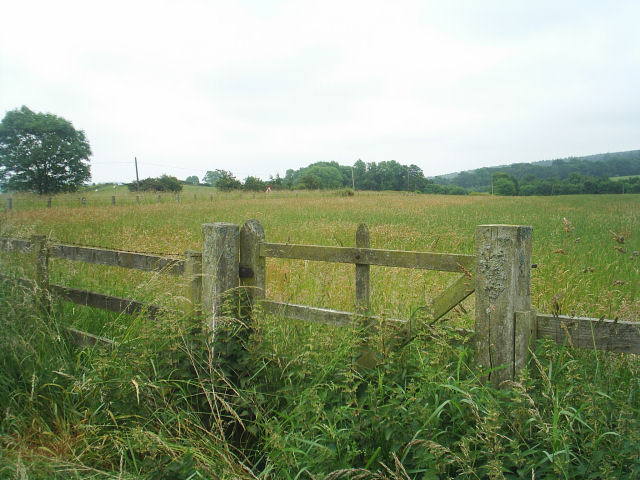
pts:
[192, 180]
[226, 181]
[254, 184]
[41, 152]
[211, 177]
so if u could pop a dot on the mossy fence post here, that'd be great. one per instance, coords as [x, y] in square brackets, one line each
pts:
[505, 322]
[40, 255]
[220, 266]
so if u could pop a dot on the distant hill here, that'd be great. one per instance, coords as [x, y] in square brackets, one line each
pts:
[598, 166]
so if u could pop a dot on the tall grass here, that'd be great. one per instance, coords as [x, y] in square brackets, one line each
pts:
[292, 400]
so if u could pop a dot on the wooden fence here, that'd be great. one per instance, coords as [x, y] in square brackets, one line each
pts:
[235, 257]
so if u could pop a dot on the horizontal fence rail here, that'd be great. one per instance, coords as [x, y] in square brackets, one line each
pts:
[118, 258]
[102, 256]
[446, 262]
[590, 333]
[105, 302]
[15, 245]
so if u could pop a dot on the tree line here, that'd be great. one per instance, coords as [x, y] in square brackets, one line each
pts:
[44, 153]
[386, 175]
[557, 177]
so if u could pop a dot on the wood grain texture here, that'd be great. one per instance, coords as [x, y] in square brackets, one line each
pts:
[446, 262]
[193, 282]
[220, 268]
[118, 258]
[503, 280]
[590, 333]
[525, 336]
[363, 272]
[452, 296]
[251, 236]
[309, 314]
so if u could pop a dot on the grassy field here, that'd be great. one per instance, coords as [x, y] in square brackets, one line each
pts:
[307, 411]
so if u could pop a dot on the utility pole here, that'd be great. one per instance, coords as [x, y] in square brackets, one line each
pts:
[137, 178]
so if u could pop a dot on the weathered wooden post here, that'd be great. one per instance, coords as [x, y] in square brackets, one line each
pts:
[83, 201]
[159, 198]
[503, 300]
[220, 266]
[9, 203]
[366, 356]
[195, 198]
[252, 265]
[362, 272]
[138, 199]
[113, 199]
[211, 197]
[177, 198]
[193, 282]
[40, 255]
[49, 202]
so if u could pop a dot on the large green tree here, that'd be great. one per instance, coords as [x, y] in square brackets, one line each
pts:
[41, 152]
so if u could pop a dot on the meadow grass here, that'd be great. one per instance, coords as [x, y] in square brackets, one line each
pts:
[293, 403]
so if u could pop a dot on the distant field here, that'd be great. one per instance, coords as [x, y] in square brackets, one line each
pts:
[579, 263]
[627, 177]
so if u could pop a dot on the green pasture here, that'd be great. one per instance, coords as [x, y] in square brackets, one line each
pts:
[292, 403]
[579, 262]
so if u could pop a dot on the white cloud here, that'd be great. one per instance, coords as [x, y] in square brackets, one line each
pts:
[259, 87]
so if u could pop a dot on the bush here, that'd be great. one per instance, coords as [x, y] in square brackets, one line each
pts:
[165, 183]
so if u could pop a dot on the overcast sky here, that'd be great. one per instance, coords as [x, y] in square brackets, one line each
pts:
[257, 87]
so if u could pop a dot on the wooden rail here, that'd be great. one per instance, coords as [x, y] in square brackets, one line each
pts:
[105, 302]
[15, 245]
[446, 262]
[40, 252]
[590, 333]
[234, 258]
[102, 256]
[118, 258]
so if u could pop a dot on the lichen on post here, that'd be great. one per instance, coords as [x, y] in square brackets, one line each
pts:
[503, 276]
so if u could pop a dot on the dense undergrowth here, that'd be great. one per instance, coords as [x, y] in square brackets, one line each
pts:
[290, 400]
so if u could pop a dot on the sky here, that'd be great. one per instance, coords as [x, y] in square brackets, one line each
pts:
[259, 87]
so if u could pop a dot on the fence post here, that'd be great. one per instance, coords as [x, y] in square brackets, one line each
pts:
[503, 276]
[138, 199]
[113, 199]
[220, 266]
[159, 198]
[9, 203]
[252, 265]
[362, 271]
[193, 280]
[40, 255]
[177, 198]
[83, 201]
[49, 202]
